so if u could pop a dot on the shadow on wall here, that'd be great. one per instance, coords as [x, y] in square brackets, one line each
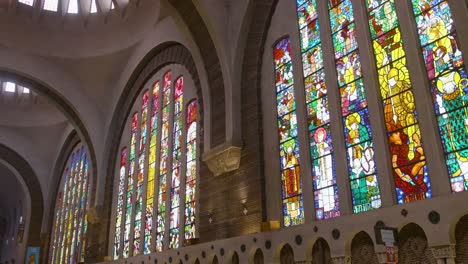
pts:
[258, 257]
[461, 238]
[287, 255]
[321, 252]
[362, 249]
[413, 248]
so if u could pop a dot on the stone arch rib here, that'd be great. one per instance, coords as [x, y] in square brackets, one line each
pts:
[34, 189]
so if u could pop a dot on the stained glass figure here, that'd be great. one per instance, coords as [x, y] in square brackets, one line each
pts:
[447, 74]
[358, 135]
[191, 170]
[140, 175]
[293, 209]
[68, 239]
[408, 159]
[147, 247]
[321, 148]
[150, 174]
[163, 169]
[120, 203]
[130, 187]
[176, 163]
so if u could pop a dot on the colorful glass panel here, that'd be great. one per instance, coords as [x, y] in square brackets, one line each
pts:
[130, 187]
[448, 78]
[140, 175]
[68, 239]
[176, 164]
[147, 247]
[323, 170]
[293, 210]
[408, 159]
[358, 135]
[191, 171]
[163, 155]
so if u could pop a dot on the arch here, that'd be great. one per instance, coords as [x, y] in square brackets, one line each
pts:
[34, 189]
[159, 57]
[189, 13]
[197, 261]
[235, 258]
[70, 142]
[66, 108]
[461, 238]
[258, 257]
[362, 249]
[321, 252]
[413, 246]
[215, 260]
[287, 255]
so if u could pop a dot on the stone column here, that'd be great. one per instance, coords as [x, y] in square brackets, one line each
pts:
[444, 254]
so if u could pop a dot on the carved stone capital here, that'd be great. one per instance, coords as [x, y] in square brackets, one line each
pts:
[223, 159]
[94, 215]
[444, 252]
[341, 260]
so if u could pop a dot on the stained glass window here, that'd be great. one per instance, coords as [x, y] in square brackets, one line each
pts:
[140, 175]
[163, 163]
[130, 187]
[191, 170]
[151, 170]
[157, 156]
[404, 136]
[293, 209]
[120, 202]
[358, 135]
[318, 113]
[68, 239]
[448, 83]
[176, 163]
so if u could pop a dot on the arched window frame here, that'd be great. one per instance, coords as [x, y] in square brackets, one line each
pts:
[284, 23]
[77, 157]
[189, 95]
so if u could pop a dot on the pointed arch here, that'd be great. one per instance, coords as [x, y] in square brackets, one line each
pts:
[287, 255]
[362, 249]
[321, 252]
[413, 246]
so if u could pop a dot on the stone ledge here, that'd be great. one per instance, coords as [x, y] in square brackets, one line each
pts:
[222, 159]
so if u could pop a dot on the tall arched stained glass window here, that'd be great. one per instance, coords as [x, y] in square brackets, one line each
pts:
[404, 136]
[157, 135]
[176, 163]
[449, 82]
[293, 209]
[191, 170]
[68, 239]
[318, 113]
[120, 202]
[358, 134]
[163, 163]
[130, 187]
[151, 170]
[140, 174]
